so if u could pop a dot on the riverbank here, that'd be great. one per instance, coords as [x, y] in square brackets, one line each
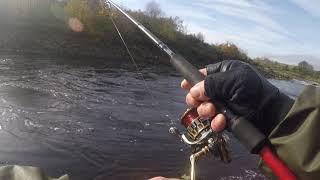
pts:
[59, 40]
[53, 36]
[280, 71]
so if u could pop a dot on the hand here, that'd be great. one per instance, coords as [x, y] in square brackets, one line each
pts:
[243, 90]
[196, 98]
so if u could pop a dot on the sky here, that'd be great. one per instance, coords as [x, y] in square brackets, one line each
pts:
[286, 30]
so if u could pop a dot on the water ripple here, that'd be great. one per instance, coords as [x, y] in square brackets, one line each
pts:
[100, 121]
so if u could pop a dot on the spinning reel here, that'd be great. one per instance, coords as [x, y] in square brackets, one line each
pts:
[202, 139]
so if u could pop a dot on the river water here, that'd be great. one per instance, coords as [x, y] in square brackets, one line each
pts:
[93, 119]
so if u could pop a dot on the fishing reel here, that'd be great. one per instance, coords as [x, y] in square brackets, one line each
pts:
[202, 139]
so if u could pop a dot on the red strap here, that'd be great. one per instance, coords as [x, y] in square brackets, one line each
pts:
[276, 165]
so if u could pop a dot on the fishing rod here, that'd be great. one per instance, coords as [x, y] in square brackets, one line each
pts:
[199, 134]
[182, 65]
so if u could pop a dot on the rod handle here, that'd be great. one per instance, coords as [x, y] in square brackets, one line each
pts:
[278, 167]
[187, 70]
[250, 136]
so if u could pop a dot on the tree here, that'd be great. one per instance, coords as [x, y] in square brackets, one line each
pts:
[200, 37]
[167, 28]
[90, 16]
[153, 9]
[231, 51]
[285, 67]
[305, 66]
[78, 9]
[94, 5]
[180, 27]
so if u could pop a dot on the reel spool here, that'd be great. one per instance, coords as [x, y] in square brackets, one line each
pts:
[201, 138]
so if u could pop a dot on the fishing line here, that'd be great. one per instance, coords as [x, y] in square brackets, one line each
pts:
[139, 72]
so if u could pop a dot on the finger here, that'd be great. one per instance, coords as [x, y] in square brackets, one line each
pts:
[203, 71]
[219, 123]
[206, 110]
[198, 92]
[192, 102]
[186, 85]
[162, 178]
[158, 178]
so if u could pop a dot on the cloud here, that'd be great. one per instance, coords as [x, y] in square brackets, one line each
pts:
[184, 13]
[256, 12]
[132, 4]
[259, 27]
[249, 24]
[310, 6]
[256, 41]
[253, 4]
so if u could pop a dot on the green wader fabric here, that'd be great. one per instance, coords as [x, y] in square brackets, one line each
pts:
[296, 139]
[25, 173]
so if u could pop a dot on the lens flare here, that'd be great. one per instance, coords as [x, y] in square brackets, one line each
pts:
[75, 25]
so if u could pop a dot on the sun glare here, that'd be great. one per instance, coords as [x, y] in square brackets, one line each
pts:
[75, 25]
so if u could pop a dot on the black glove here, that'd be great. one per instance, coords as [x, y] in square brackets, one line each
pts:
[245, 92]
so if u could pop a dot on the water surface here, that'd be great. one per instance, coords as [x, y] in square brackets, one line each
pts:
[94, 119]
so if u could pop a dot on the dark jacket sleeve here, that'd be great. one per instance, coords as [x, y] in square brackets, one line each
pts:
[296, 139]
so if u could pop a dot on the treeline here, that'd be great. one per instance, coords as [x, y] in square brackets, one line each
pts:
[84, 27]
[303, 70]
[96, 15]
[91, 21]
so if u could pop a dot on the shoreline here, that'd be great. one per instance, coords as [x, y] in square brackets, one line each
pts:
[165, 67]
[42, 40]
